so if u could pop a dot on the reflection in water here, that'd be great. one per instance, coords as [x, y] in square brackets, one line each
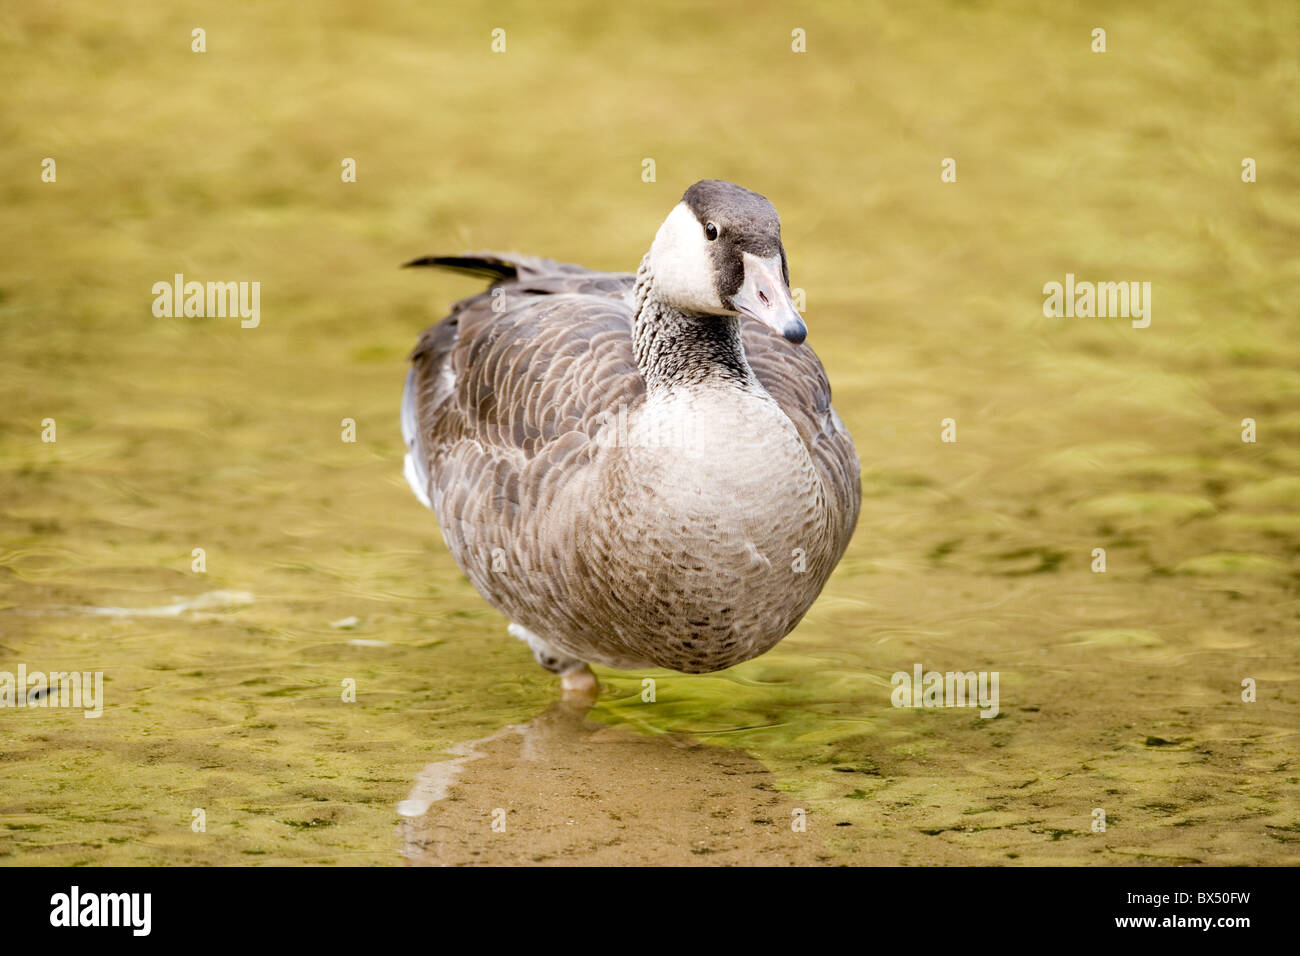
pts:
[563, 789]
[208, 601]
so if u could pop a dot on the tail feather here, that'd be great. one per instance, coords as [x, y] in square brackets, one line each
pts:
[487, 265]
[503, 266]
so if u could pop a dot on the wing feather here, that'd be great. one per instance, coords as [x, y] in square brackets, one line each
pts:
[505, 393]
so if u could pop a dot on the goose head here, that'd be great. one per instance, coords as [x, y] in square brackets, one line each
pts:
[719, 252]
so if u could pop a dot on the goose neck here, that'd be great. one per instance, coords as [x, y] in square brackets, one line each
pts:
[675, 349]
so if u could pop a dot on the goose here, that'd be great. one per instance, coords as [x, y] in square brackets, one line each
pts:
[629, 469]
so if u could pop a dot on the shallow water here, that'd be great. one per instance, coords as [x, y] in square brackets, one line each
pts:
[224, 690]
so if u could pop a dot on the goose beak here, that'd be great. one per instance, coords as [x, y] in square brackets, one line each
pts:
[765, 296]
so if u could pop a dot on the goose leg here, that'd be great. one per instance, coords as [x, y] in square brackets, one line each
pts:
[576, 678]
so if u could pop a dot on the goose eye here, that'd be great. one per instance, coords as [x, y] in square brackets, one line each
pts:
[710, 231]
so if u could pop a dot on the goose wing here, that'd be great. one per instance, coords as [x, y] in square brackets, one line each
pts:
[505, 393]
[793, 375]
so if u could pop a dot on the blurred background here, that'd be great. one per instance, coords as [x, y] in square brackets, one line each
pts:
[1119, 690]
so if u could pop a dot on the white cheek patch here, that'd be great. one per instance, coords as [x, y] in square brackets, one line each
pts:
[682, 264]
